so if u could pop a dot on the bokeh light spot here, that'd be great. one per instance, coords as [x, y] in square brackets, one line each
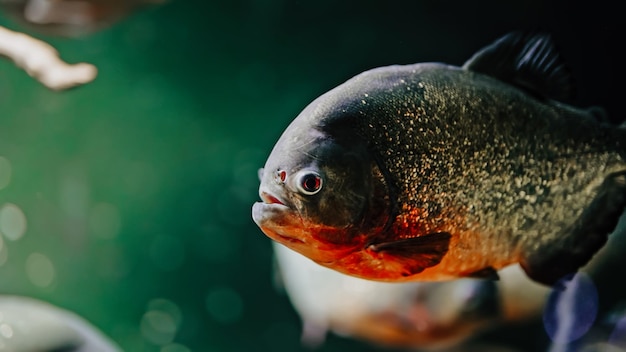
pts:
[6, 331]
[167, 252]
[224, 305]
[12, 221]
[158, 327]
[40, 270]
[168, 307]
[571, 308]
[104, 220]
[5, 172]
[161, 321]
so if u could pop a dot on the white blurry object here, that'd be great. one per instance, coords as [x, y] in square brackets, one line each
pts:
[432, 315]
[41, 61]
[29, 325]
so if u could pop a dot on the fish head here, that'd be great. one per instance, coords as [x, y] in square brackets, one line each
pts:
[319, 193]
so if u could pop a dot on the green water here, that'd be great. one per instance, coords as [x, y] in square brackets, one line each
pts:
[128, 200]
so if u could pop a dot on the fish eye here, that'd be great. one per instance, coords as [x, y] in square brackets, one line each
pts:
[309, 182]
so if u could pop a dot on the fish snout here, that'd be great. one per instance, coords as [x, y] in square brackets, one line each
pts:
[267, 188]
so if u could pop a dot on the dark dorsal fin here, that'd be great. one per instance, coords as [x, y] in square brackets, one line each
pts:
[528, 61]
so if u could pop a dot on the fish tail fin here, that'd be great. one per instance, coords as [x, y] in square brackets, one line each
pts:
[582, 239]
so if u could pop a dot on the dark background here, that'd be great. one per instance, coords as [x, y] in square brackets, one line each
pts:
[137, 187]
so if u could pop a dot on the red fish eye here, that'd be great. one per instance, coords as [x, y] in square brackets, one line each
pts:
[310, 183]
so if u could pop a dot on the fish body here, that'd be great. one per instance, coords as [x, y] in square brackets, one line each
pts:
[433, 172]
[72, 18]
[30, 325]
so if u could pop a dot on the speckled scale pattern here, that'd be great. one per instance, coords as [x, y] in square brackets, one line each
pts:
[470, 155]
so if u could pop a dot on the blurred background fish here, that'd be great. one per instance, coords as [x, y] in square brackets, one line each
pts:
[72, 18]
[417, 315]
[29, 325]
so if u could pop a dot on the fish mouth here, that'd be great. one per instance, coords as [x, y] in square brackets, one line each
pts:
[270, 199]
[271, 216]
[273, 219]
[270, 206]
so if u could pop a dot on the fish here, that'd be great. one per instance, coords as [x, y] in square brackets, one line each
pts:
[72, 18]
[30, 325]
[431, 171]
[408, 315]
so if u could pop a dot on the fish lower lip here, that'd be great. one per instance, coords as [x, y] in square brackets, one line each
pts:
[272, 205]
[267, 212]
[266, 216]
[270, 199]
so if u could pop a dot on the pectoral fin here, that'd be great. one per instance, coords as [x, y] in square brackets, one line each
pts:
[418, 253]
